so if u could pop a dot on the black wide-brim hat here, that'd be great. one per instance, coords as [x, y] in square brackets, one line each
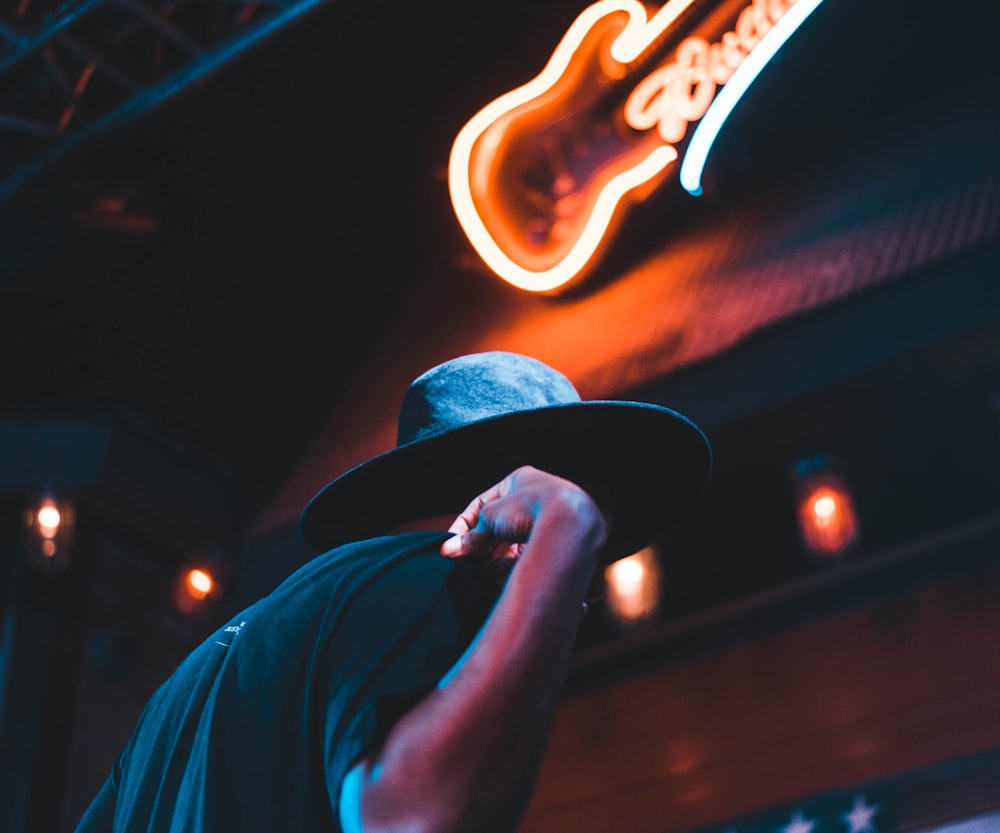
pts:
[466, 424]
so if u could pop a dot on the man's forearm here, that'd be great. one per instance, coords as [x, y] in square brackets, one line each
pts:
[469, 752]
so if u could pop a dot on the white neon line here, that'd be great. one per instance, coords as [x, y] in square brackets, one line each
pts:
[639, 33]
[693, 164]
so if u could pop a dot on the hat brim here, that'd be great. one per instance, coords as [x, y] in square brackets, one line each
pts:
[644, 463]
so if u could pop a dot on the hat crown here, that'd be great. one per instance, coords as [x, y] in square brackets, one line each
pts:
[475, 387]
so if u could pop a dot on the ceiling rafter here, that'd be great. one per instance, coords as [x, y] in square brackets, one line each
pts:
[76, 71]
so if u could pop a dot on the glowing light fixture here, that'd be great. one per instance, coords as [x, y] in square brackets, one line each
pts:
[632, 587]
[198, 585]
[50, 523]
[711, 123]
[467, 175]
[540, 176]
[827, 519]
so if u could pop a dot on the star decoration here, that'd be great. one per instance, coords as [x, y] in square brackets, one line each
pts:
[798, 824]
[859, 819]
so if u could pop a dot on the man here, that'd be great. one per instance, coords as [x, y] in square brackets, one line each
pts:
[408, 681]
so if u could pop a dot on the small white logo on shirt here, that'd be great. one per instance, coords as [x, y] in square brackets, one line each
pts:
[231, 629]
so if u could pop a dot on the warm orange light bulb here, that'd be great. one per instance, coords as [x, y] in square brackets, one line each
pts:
[49, 523]
[825, 507]
[199, 583]
[627, 575]
[197, 586]
[48, 520]
[828, 522]
[633, 587]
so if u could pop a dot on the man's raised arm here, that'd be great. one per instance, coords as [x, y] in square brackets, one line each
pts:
[466, 757]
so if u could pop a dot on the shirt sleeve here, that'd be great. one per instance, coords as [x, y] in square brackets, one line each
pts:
[99, 817]
[399, 637]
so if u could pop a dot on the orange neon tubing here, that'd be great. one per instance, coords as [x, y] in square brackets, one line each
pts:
[638, 35]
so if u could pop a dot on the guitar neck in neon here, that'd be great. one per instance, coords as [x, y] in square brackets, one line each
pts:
[541, 177]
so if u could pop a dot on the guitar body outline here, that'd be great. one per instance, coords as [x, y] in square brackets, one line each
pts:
[572, 224]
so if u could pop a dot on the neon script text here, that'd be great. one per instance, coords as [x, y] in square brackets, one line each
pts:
[541, 176]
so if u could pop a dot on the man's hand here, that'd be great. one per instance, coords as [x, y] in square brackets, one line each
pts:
[497, 523]
[466, 756]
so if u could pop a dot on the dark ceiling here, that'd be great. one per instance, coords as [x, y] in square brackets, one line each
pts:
[298, 197]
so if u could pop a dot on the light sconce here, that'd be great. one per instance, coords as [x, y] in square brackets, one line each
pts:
[827, 518]
[632, 588]
[50, 524]
[198, 585]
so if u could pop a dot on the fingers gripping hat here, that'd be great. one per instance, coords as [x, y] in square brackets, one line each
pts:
[467, 423]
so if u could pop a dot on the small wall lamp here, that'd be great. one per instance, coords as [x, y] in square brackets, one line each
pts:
[199, 583]
[50, 524]
[632, 588]
[825, 511]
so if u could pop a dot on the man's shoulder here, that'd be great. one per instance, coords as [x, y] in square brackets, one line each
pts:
[354, 565]
[379, 553]
[403, 542]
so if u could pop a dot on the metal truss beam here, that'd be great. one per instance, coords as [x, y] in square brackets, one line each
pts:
[80, 71]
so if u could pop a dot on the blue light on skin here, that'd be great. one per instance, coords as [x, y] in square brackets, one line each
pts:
[711, 123]
[349, 806]
[450, 675]
[350, 800]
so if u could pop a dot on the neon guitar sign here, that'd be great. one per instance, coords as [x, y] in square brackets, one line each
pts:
[541, 176]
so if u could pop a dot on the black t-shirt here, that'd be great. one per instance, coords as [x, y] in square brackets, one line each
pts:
[257, 728]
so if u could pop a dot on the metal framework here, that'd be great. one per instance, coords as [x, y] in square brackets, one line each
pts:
[75, 71]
